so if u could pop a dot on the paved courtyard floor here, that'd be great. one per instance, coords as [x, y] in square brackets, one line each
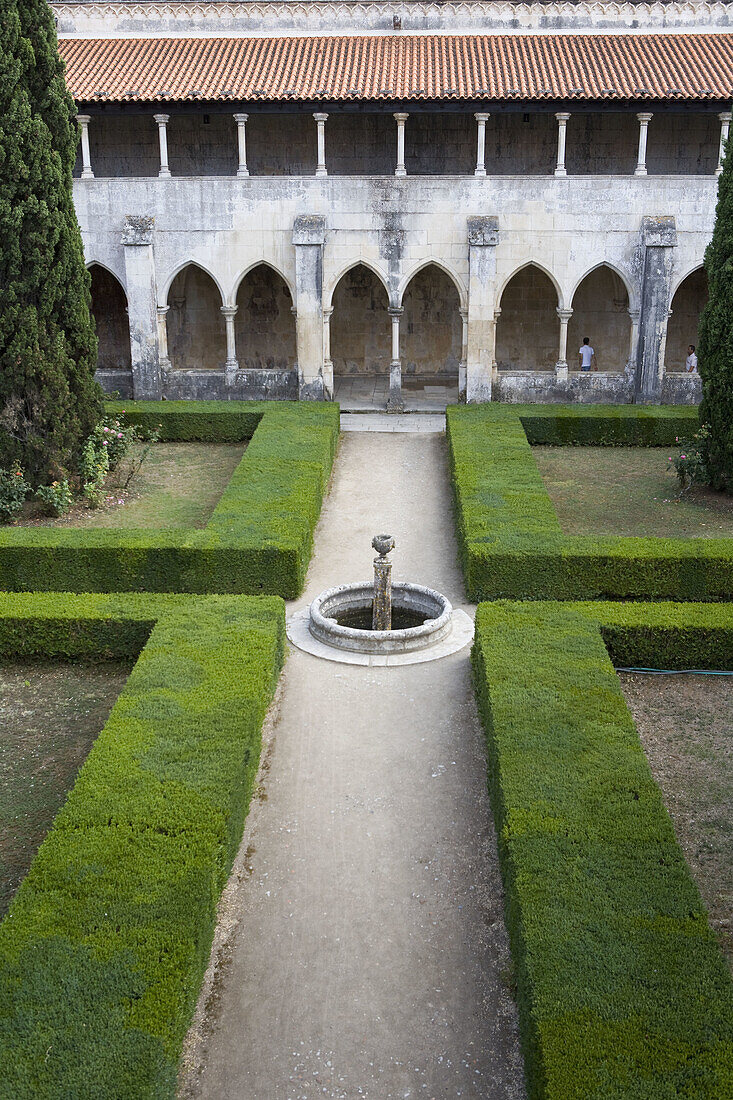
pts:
[369, 393]
[362, 950]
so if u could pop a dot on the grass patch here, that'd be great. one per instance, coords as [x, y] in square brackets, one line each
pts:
[628, 491]
[178, 485]
[685, 725]
[50, 715]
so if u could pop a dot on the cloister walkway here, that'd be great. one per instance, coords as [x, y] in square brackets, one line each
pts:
[362, 950]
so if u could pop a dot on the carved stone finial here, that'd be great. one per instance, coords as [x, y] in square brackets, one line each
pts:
[383, 544]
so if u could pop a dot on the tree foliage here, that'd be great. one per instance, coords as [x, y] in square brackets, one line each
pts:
[49, 400]
[715, 340]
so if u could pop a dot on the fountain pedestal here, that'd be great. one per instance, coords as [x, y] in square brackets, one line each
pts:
[382, 603]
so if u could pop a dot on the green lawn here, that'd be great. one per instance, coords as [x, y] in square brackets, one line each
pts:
[628, 491]
[50, 715]
[179, 485]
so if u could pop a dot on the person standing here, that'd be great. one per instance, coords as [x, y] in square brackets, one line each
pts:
[691, 361]
[587, 355]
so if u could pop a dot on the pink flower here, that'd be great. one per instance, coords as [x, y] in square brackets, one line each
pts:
[683, 456]
[104, 442]
[119, 435]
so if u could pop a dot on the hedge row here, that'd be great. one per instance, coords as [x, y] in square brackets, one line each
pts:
[510, 541]
[623, 991]
[105, 945]
[258, 540]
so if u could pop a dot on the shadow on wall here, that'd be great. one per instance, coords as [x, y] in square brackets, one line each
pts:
[687, 304]
[431, 328]
[109, 307]
[196, 326]
[601, 312]
[264, 325]
[360, 325]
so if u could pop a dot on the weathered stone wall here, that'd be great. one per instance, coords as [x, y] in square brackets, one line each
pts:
[109, 306]
[360, 325]
[528, 331]
[196, 337]
[430, 328]
[264, 325]
[687, 305]
[601, 312]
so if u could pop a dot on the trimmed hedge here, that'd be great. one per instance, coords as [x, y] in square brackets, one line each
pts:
[510, 540]
[259, 539]
[623, 991]
[105, 945]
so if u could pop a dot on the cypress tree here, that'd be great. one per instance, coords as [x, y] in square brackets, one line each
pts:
[715, 340]
[49, 401]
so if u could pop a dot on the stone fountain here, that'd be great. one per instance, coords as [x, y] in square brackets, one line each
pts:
[399, 622]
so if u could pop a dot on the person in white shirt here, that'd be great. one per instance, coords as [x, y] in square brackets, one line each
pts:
[691, 361]
[586, 354]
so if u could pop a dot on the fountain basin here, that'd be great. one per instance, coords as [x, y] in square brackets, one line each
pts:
[348, 599]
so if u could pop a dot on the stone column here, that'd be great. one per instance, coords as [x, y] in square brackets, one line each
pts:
[724, 117]
[142, 309]
[644, 120]
[482, 119]
[309, 234]
[231, 366]
[658, 240]
[241, 121]
[464, 351]
[394, 401]
[327, 361]
[401, 118]
[162, 121]
[321, 123]
[483, 237]
[562, 123]
[163, 360]
[561, 367]
[86, 159]
[633, 340]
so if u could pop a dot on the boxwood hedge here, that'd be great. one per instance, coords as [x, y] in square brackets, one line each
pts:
[105, 944]
[510, 541]
[623, 991]
[258, 540]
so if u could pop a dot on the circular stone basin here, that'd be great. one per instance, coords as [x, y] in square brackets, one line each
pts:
[431, 609]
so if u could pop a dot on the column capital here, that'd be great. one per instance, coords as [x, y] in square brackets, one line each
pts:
[138, 229]
[320, 116]
[634, 314]
[659, 232]
[229, 311]
[483, 230]
[162, 119]
[463, 310]
[401, 116]
[327, 313]
[86, 119]
[240, 117]
[563, 116]
[645, 116]
[163, 310]
[395, 311]
[480, 116]
[309, 229]
[564, 314]
[724, 116]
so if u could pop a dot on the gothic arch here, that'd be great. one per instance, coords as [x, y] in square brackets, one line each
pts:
[360, 323]
[264, 324]
[528, 328]
[196, 326]
[600, 306]
[109, 309]
[379, 275]
[460, 288]
[688, 300]
[431, 327]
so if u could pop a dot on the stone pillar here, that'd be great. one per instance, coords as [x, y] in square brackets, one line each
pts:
[561, 367]
[142, 310]
[163, 360]
[231, 366]
[724, 117]
[162, 121]
[562, 123]
[464, 352]
[482, 119]
[644, 120]
[241, 121]
[633, 340]
[327, 360]
[483, 237]
[394, 401]
[321, 123]
[401, 118]
[86, 159]
[309, 234]
[658, 240]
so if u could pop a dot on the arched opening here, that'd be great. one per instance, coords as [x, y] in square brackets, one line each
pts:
[109, 307]
[264, 324]
[360, 325]
[601, 312]
[687, 304]
[528, 329]
[430, 329]
[196, 327]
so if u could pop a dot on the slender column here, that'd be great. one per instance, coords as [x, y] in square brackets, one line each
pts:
[724, 117]
[86, 159]
[562, 123]
[561, 367]
[241, 121]
[162, 121]
[394, 401]
[163, 360]
[321, 123]
[482, 119]
[401, 118]
[633, 339]
[327, 361]
[464, 355]
[231, 364]
[644, 120]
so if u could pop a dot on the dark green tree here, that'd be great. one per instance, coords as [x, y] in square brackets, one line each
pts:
[715, 340]
[49, 401]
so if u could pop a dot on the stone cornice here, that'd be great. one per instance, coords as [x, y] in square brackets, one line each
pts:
[112, 18]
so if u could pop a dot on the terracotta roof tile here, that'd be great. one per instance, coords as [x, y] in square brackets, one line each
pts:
[402, 67]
